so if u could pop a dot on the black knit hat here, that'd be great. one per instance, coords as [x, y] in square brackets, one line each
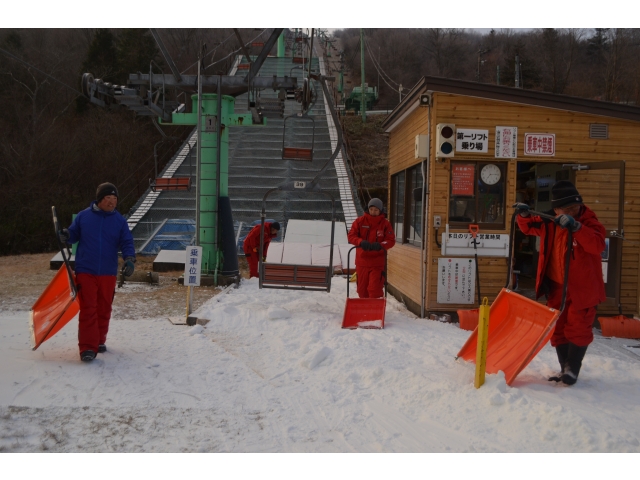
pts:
[105, 189]
[564, 193]
[275, 225]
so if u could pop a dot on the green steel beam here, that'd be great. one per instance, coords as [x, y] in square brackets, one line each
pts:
[281, 48]
[207, 190]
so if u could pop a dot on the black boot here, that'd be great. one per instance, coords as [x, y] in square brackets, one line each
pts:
[563, 353]
[574, 363]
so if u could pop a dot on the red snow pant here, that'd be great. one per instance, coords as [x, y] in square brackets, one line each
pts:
[95, 294]
[574, 325]
[370, 282]
[252, 260]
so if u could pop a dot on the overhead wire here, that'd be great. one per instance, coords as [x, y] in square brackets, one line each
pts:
[11, 55]
[212, 53]
[235, 51]
[382, 73]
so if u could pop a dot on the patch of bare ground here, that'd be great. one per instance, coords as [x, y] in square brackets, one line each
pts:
[24, 277]
[368, 152]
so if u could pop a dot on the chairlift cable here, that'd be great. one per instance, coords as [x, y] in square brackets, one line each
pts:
[38, 70]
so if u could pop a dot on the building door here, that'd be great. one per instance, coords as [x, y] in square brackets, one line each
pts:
[602, 188]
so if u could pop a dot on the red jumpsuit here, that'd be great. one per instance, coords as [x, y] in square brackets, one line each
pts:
[370, 264]
[251, 247]
[585, 289]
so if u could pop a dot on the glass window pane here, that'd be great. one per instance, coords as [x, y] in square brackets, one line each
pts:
[477, 193]
[462, 200]
[415, 210]
[491, 197]
[397, 209]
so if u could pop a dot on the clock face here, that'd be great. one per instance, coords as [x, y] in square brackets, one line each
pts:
[490, 174]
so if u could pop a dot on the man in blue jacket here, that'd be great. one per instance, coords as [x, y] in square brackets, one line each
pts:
[100, 232]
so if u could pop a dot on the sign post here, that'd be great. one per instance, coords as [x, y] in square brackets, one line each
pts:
[483, 336]
[192, 271]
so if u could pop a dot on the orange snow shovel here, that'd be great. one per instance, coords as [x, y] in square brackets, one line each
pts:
[58, 304]
[365, 312]
[519, 327]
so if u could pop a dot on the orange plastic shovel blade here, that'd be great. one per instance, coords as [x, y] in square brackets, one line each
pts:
[518, 329]
[53, 310]
[364, 313]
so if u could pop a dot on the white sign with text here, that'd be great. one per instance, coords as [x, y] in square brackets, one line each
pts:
[506, 142]
[488, 244]
[472, 141]
[192, 267]
[456, 280]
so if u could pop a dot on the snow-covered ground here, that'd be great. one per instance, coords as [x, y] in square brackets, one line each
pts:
[273, 372]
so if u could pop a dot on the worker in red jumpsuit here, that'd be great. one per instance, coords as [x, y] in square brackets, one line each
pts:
[373, 233]
[585, 289]
[251, 245]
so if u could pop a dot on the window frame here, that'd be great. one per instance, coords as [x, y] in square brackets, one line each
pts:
[408, 176]
[479, 164]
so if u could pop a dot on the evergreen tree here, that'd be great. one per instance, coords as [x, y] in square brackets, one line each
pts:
[102, 57]
[136, 49]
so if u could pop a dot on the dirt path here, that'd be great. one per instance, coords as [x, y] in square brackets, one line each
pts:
[24, 277]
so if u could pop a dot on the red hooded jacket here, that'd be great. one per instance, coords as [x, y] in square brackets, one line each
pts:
[586, 287]
[372, 229]
[252, 240]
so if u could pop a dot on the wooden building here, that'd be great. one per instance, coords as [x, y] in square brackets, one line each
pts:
[542, 138]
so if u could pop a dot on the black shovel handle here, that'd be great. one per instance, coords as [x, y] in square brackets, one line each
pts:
[65, 258]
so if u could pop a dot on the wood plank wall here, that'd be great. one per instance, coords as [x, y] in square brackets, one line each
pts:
[573, 145]
[404, 260]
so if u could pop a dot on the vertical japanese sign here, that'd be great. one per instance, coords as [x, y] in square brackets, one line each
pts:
[540, 144]
[506, 142]
[472, 141]
[192, 267]
[456, 280]
[463, 176]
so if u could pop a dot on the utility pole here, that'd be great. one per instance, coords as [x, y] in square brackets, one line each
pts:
[341, 82]
[480, 61]
[517, 71]
[498, 75]
[378, 69]
[363, 103]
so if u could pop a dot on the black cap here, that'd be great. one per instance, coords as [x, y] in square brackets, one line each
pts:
[564, 193]
[275, 225]
[105, 189]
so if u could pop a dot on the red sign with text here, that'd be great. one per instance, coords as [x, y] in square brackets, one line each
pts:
[462, 179]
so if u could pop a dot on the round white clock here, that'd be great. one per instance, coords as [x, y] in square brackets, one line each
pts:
[490, 174]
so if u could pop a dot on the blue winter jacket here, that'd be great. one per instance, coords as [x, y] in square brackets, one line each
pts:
[100, 235]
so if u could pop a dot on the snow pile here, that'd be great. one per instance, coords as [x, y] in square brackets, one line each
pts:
[274, 371]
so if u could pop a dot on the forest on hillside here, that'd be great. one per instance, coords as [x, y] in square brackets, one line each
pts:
[599, 63]
[55, 147]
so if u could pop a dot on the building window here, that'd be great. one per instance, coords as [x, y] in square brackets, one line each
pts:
[407, 205]
[397, 205]
[414, 180]
[477, 194]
